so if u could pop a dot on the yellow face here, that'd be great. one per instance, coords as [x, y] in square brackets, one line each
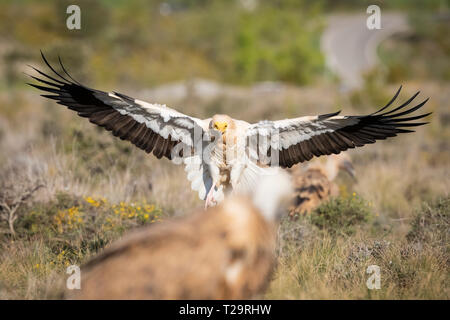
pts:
[221, 126]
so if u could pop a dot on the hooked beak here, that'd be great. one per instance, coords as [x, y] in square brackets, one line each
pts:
[221, 126]
[348, 167]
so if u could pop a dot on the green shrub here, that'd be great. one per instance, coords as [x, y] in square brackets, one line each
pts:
[422, 53]
[218, 39]
[341, 216]
[432, 224]
[275, 45]
[74, 227]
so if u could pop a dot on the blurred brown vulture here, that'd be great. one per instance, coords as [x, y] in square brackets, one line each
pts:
[314, 183]
[226, 252]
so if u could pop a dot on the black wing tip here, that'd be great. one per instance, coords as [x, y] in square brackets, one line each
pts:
[59, 81]
[66, 72]
[52, 69]
[425, 115]
[33, 67]
[398, 91]
[328, 115]
[44, 58]
[35, 85]
[43, 88]
[392, 114]
[390, 101]
[410, 124]
[405, 131]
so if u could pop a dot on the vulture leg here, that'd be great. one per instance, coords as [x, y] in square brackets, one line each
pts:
[210, 201]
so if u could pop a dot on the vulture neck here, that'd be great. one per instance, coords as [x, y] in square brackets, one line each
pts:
[272, 190]
[331, 170]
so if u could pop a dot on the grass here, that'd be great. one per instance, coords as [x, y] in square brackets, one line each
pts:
[332, 266]
[98, 187]
[341, 215]
[432, 224]
[395, 216]
[63, 232]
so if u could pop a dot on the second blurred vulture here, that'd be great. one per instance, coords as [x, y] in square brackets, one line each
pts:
[314, 182]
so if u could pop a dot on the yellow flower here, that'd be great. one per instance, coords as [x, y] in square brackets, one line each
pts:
[92, 201]
[89, 200]
[146, 216]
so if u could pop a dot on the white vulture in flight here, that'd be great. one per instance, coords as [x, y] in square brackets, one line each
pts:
[222, 154]
[225, 252]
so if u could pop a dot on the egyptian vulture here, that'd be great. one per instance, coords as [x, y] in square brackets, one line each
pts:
[314, 183]
[225, 252]
[222, 154]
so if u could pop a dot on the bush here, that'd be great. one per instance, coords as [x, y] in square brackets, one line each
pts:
[341, 216]
[422, 53]
[432, 224]
[275, 45]
[82, 226]
[68, 230]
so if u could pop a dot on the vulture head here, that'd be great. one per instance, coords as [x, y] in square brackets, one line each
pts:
[222, 123]
[344, 163]
[333, 164]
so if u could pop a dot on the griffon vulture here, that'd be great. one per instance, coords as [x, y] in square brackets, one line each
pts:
[221, 154]
[314, 183]
[225, 252]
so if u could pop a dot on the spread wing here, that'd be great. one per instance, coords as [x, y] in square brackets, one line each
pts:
[151, 127]
[290, 141]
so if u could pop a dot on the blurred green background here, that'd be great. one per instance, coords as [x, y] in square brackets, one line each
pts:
[232, 41]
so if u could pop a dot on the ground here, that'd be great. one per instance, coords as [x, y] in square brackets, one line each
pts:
[96, 187]
[68, 188]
